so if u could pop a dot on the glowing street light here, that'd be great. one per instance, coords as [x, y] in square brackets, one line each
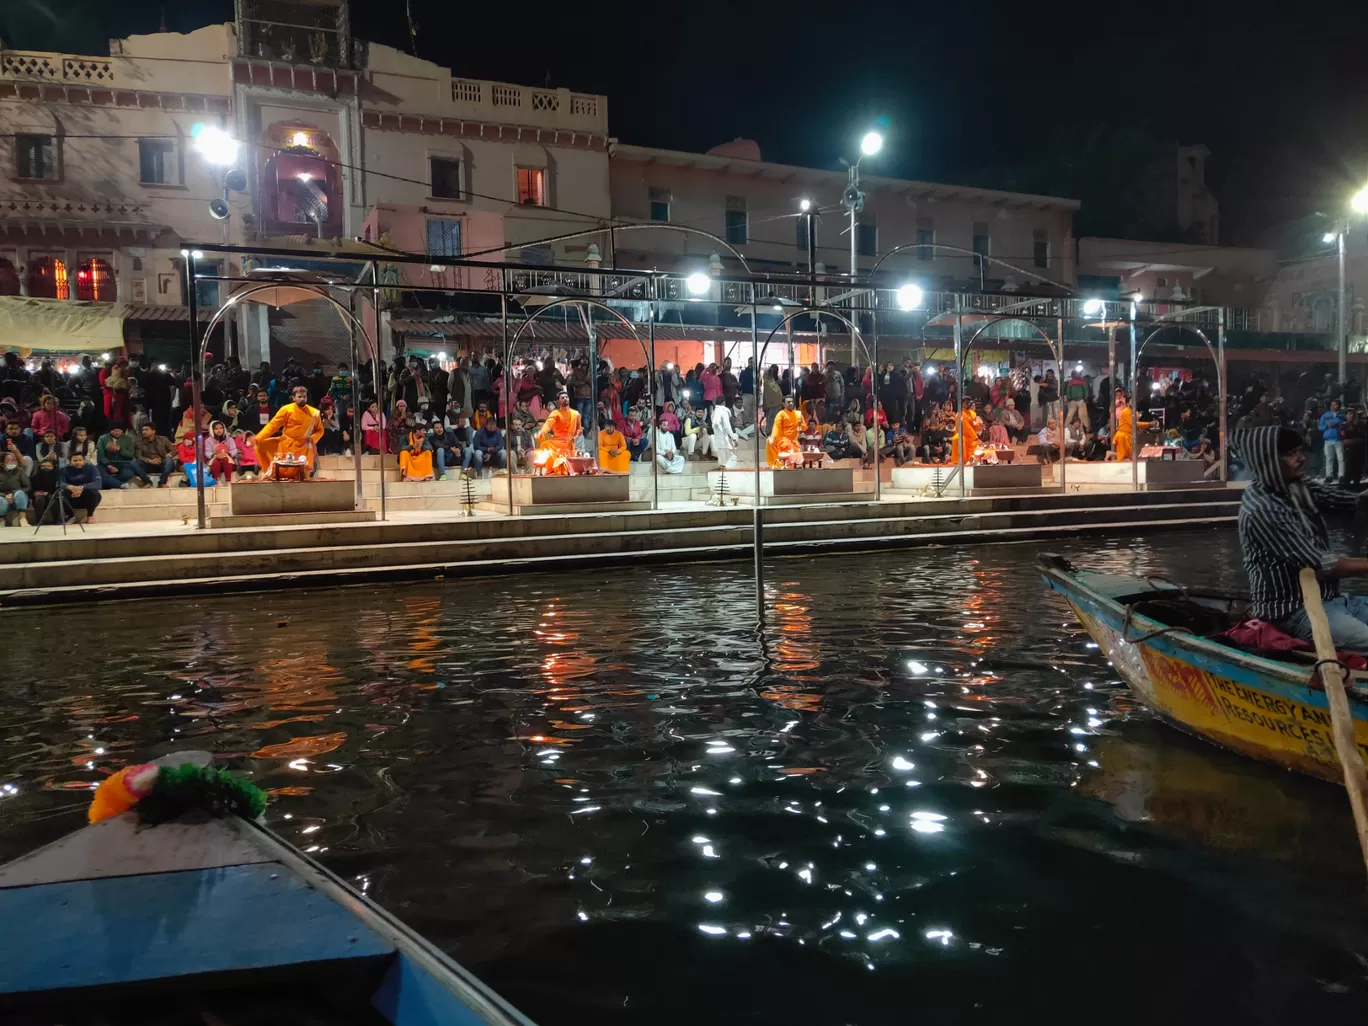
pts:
[1093, 307]
[871, 144]
[909, 296]
[1359, 204]
[1329, 237]
[698, 284]
[805, 205]
[215, 145]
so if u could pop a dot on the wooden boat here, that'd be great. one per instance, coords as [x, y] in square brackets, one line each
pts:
[1160, 638]
[218, 922]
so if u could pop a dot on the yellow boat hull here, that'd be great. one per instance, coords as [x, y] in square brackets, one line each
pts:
[1258, 707]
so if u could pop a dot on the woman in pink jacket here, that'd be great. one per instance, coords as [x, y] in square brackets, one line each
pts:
[712, 385]
[49, 417]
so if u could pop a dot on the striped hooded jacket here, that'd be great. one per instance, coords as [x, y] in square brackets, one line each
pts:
[1282, 528]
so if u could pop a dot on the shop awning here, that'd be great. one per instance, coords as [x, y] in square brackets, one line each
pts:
[59, 325]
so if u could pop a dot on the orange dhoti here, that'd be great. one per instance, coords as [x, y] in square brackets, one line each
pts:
[969, 431]
[556, 440]
[1125, 431]
[783, 437]
[293, 431]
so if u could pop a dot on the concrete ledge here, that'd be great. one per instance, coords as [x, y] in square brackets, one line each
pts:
[773, 483]
[978, 480]
[350, 516]
[740, 548]
[262, 497]
[548, 509]
[1153, 474]
[583, 489]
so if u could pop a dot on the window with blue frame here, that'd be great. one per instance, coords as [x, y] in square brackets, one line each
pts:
[443, 237]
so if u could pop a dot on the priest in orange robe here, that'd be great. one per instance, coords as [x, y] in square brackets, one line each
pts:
[613, 454]
[971, 426]
[783, 436]
[556, 437]
[293, 431]
[1125, 429]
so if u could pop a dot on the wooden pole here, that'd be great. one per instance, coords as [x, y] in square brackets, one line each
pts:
[1342, 722]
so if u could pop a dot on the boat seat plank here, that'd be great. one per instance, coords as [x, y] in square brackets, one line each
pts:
[412, 997]
[138, 928]
[121, 847]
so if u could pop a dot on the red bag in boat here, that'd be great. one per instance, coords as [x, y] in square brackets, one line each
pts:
[1261, 637]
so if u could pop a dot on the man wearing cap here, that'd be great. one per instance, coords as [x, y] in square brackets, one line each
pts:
[1282, 530]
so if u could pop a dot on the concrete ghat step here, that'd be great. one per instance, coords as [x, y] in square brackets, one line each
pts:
[546, 545]
[477, 567]
[26, 549]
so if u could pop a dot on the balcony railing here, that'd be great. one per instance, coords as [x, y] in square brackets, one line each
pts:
[558, 107]
[48, 67]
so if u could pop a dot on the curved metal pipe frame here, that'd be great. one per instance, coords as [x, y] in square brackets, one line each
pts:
[649, 354]
[784, 322]
[612, 230]
[1216, 357]
[962, 356]
[349, 320]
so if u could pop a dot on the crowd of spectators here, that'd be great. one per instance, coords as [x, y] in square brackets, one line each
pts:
[130, 423]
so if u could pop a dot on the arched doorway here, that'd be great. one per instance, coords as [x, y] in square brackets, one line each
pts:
[47, 278]
[300, 182]
[9, 278]
[95, 281]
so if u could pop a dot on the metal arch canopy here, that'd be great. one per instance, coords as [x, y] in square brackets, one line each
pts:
[964, 355]
[307, 290]
[593, 371]
[574, 301]
[819, 311]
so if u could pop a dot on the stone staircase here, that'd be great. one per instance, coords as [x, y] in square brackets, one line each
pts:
[83, 567]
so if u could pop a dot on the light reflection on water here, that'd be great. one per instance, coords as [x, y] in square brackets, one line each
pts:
[923, 792]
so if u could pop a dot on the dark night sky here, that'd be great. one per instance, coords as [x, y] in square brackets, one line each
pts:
[1276, 90]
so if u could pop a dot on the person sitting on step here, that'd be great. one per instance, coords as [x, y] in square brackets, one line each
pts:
[14, 489]
[81, 481]
[415, 459]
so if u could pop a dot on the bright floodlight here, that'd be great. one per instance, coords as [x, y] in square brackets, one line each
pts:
[215, 145]
[1360, 201]
[1093, 307]
[909, 297]
[805, 205]
[1329, 237]
[871, 144]
[698, 283]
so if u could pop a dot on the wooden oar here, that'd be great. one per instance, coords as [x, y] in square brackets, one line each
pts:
[1342, 721]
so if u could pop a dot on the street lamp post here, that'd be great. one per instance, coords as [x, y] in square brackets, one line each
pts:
[1359, 205]
[853, 199]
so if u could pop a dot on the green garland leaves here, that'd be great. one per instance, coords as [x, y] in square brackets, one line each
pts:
[188, 788]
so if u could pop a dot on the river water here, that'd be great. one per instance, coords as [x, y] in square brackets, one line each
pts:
[924, 793]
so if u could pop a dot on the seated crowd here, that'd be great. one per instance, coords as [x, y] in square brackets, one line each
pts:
[127, 423]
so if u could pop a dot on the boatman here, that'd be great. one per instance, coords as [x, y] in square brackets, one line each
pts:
[291, 435]
[784, 434]
[1282, 530]
[556, 438]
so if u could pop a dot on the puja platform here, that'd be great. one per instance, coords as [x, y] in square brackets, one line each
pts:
[1154, 474]
[535, 495]
[980, 479]
[266, 503]
[789, 487]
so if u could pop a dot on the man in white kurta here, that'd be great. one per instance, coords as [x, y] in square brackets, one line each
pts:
[724, 436]
[667, 453]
